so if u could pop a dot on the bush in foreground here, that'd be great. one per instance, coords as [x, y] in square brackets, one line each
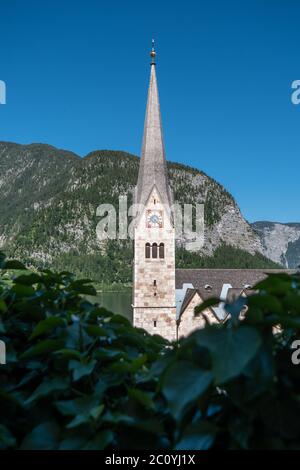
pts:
[79, 377]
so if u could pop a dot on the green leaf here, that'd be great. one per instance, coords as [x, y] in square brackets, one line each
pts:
[100, 441]
[68, 407]
[197, 436]
[2, 327]
[141, 397]
[7, 440]
[278, 284]
[10, 399]
[3, 307]
[292, 302]
[266, 303]
[94, 330]
[138, 363]
[23, 291]
[33, 374]
[46, 325]
[13, 264]
[78, 406]
[43, 437]
[89, 413]
[120, 320]
[289, 321]
[78, 421]
[43, 347]
[80, 287]
[231, 349]
[80, 369]
[2, 260]
[47, 387]
[183, 384]
[96, 412]
[103, 353]
[28, 279]
[69, 353]
[73, 443]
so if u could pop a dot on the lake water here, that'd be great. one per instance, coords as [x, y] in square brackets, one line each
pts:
[116, 302]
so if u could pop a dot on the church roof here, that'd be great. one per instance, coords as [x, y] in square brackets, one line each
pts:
[153, 168]
[188, 297]
[210, 282]
[224, 284]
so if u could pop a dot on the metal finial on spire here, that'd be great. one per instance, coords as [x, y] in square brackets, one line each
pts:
[153, 53]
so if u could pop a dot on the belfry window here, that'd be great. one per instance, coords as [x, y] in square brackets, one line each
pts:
[147, 250]
[161, 250]
[154, 323]
[154, 250]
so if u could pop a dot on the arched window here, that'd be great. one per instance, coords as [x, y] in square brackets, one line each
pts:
[147, 250]
[154, 250]
[161, 250]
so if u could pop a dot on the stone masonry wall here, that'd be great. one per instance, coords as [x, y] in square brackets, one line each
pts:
[189, 322]
[154, 302]
[161, 321]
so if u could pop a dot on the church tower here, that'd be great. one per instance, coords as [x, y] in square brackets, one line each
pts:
[154, 306]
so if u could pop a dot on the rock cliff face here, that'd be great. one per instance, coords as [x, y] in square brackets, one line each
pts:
[224, 222]
[281, 242]
[233, 230]
[48, 201]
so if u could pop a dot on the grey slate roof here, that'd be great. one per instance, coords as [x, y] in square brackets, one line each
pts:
[153, 167]
[225, 284]
[216, 278]
[188, 297]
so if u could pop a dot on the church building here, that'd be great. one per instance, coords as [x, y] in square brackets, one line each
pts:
[154, 305]
[164, 298]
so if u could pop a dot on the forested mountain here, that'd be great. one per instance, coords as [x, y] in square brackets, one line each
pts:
[48, 201]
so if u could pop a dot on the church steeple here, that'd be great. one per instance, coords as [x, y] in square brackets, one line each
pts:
[153, 168]
[154, 306]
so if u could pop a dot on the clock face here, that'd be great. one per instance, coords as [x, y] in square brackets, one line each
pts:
[154, 219]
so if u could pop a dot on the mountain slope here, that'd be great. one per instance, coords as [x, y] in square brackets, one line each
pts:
[281, 242]
[30, 176]
[48, 201]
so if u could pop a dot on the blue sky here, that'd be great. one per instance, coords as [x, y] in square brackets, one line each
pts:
[77, 76]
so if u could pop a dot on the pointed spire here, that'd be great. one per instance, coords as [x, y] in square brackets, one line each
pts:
[153, 167]
[153, 53]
